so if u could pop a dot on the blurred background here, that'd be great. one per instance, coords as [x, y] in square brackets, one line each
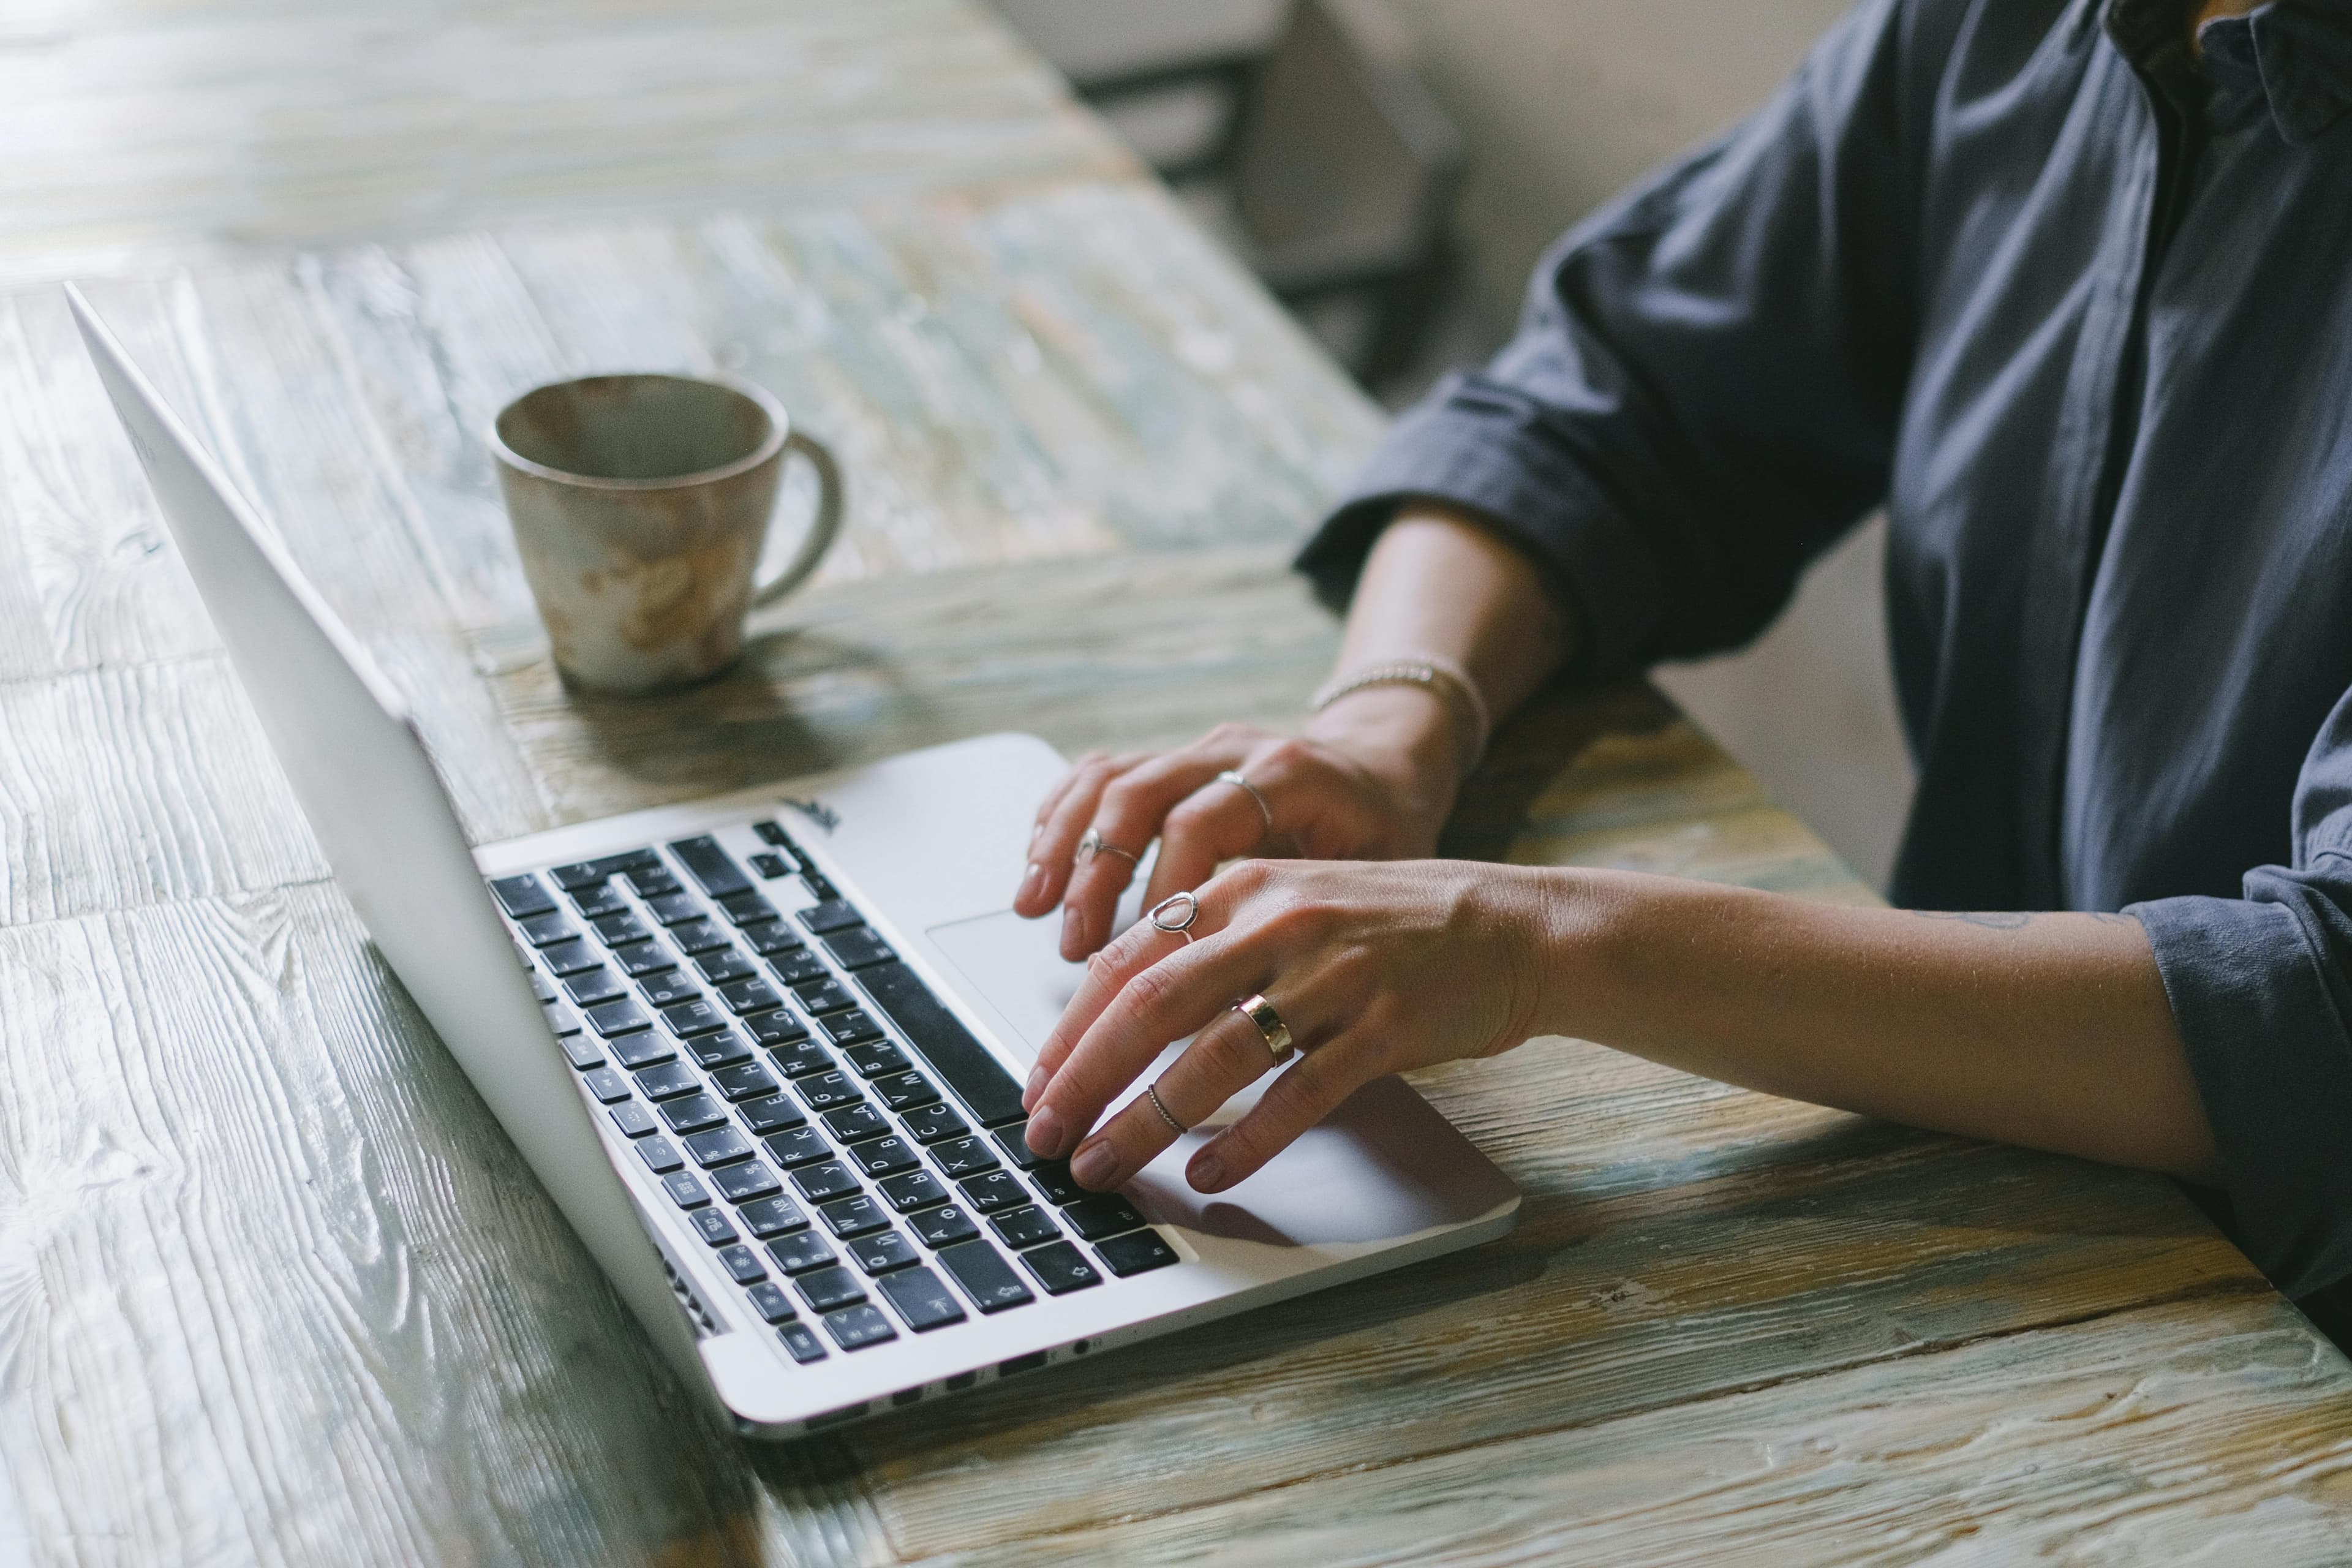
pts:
[1393, 168]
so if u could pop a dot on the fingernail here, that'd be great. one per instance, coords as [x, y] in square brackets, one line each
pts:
[1094, 1164]
[1038, 1077]
[1074, 928]
[1208, 1173]
[1036, 831]
[1031, 883]
[1045, 1135]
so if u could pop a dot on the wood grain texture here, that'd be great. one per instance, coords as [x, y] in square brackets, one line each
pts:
[273, 1285]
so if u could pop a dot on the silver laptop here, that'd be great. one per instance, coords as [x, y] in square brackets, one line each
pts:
[765, 1051]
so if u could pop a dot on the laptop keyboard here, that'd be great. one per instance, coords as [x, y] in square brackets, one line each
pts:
[851, 1154]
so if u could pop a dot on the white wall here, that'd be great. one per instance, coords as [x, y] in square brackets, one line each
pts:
[1563, 102]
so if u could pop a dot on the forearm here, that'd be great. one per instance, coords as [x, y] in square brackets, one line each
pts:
[2047, 1030]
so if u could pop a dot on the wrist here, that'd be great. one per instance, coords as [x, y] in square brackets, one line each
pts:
[1576, 919]
[1401, 726]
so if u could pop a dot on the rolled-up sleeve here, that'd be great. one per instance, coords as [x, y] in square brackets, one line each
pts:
[2261, 989]
[1703, 390]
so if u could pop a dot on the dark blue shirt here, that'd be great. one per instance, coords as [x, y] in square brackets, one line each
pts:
[2076, 309]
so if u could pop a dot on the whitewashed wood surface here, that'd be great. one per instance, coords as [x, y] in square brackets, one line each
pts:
[274, 1287]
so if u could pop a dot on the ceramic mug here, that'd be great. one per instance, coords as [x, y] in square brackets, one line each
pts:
[640, 503]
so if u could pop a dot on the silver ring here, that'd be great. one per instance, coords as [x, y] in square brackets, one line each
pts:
[1232, 776]
[1182, 927]
[1260, 1011]
[1091, 843]
[1151, 1093]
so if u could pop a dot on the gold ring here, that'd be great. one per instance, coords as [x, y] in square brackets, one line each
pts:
[1091, 843]
[1260, 1011]
[1232, 776]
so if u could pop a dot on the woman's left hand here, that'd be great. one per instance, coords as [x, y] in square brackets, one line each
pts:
[1374, 967]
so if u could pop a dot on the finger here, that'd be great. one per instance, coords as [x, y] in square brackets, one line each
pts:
[1051, 848]
[1225, 1058]
[1139, 946]
[1202, 832]
[1308, 1090]
[1128, 817]
[1173, 998]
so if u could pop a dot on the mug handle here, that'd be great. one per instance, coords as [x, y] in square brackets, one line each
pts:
[824, 529]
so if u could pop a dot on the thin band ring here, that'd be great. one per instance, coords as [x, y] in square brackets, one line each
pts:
[1232, 776]
[1260, 1011]
[1090, 842]
[1151, 1093]
[1161, 917]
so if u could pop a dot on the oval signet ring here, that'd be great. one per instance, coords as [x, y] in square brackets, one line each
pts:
[1167, 916]
[1260, 1011]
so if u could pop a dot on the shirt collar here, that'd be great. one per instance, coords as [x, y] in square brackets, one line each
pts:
[2291, 57]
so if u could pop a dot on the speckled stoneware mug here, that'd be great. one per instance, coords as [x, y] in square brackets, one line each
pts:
[640, 503]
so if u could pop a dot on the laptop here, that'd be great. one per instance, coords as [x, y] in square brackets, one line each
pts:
[765, 1051]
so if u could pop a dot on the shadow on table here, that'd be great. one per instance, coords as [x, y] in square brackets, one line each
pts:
[1531, 752]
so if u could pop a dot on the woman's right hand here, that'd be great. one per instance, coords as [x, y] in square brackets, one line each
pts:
[1373, 778]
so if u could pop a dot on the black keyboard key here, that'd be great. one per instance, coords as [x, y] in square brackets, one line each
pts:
[799, 1251]
[716, 1228]
[779, 1027]
[873, 1058]
[824, 1091]
[770, 1113]
[522, 895]
[822, 892]
[854, 1328]
[654, 881]
[769, 1300]
[846, 1217]
[685, 1189]
[540, 988]
[1100, 1214]
[801, 1146]
[957, 1058]
[1012, 1142]
[753, 995]
[764, 1217]
[857, 949]
[922, 1298]
[818, 998]
[579, 874]
[676, 908]
[745, 1183]
[851, 1027]
[996, 1190]
[985, 1277]
[771, 866]
[853, 1123]
[1060, 1268]
[1027, 1225]
[642, 1050]
[797, 967]
[883, 1156]
[694, 938]
[621, 930]
[802, 1059]
[771, 939]
[960, 1157]
[883, 1252]
[720, 1146]
[594, 987]
[633, 1120]
[668, 1080]
[552, 927]
[914, 1190]
[929, 1124]
[942, 1226]
[618, 1018]
[699, 1016]
[711, 866]
[905, 1090]
[725, 966]
[831, 915]
[800, 1343]
[660, 1155]
[743, 1080]
[576, 956]
[724, 1049]
[561, 1019]
[608, 1086]
[581, 1052]
[826, 1179]
[693, 1113]
[742, 1263]
[1054, 1179]
[640, 959]
[825, 1288]
[1137, 1252]
[772, 832]
[667, 987]
[596, 903]
[748, 909]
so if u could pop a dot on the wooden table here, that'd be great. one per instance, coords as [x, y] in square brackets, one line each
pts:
[273, 1285]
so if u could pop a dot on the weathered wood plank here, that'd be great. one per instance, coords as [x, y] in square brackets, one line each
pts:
[2182, 1432]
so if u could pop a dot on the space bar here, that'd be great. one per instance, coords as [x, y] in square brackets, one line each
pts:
[946, 1044]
